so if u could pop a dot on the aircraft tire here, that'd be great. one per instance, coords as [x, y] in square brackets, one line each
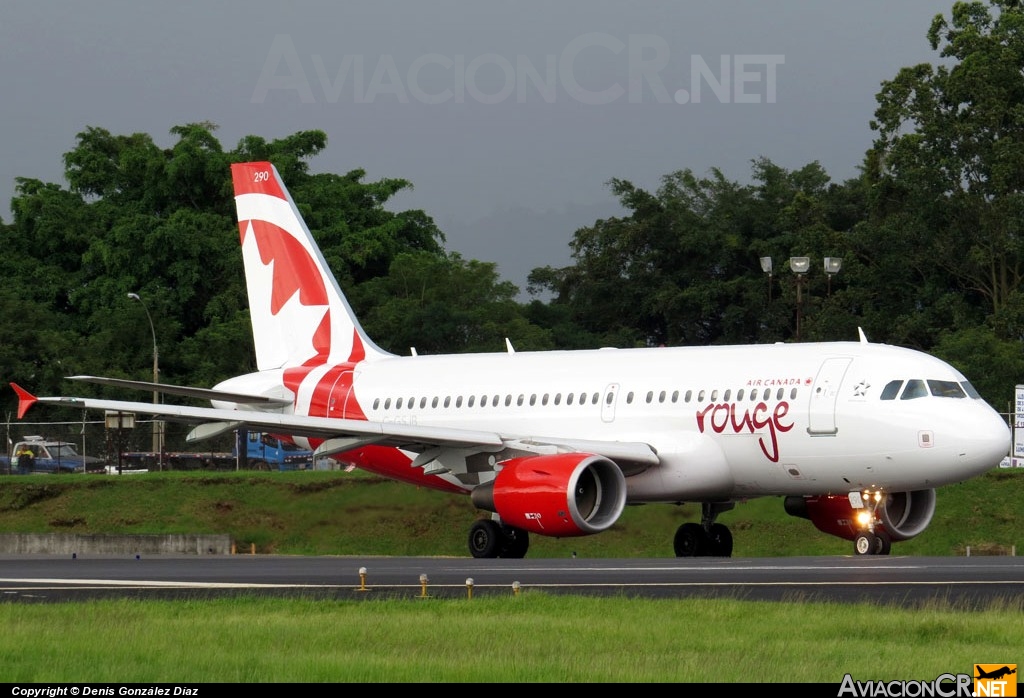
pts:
[884, 544]
[690, 541]
[485, 539]
[865, 543]
[720, 540]
[515, 542]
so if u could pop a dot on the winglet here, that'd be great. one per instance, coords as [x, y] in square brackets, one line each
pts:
[25, 399]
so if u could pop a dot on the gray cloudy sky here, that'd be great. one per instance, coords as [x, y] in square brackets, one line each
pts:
[508, 118]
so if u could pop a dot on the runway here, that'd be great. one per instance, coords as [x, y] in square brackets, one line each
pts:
[968, 582]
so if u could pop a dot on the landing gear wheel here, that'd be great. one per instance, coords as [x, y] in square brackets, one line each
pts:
[485, 538]
[865, 543]
[884, 543]
[516, 542]
[690, 541]
[720, 540]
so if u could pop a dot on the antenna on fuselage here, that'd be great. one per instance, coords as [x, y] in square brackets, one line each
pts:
[508, 345]
[863, 337]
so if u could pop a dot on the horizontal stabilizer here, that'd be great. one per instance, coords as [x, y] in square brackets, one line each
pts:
[184, 390]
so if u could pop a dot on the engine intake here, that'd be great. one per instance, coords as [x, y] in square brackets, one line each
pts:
[560, 495]
[903, 515]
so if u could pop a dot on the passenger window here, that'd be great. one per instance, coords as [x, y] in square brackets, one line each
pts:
[558, 398]
[596, 397]
[544, 400]
[568, 399]
[689, 394]
[423, 402]
[533, 399]
[792, 393]
[891, 390]
[781, 393]
[472, 399]
[725, 398]
[629, 398]
[508, 400]
[700, 396]
[915, 389]
[398, 404]
[945, 389]
[387, 404]
[433, 403]
[714, 396]
[447, 400]
[675, 396]
[520, 400]
[494, 401]
[661, 396]
[650, 396]
[739, 395]
[376, 404]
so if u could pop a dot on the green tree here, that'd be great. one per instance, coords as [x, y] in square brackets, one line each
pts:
[947, 167]
[160, 222]
[444, 305]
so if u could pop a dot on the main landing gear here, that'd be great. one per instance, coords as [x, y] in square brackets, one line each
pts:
[489, 538]
[707, 538]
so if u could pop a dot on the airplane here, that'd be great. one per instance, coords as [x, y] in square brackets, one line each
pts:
[854, 436]
[994, 674]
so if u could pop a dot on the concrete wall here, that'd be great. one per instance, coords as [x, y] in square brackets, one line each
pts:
[102, 544]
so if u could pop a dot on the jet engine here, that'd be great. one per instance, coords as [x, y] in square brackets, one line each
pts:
[559, 495]
[901, 515]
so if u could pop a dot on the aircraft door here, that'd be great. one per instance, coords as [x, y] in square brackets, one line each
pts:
[611, 392]
[824, 394]
[338, 405]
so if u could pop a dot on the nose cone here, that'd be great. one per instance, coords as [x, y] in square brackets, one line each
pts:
[985, 440]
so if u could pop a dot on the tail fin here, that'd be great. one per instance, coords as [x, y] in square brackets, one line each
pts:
[299, 314]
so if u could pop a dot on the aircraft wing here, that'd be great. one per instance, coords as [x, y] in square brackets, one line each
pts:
[340, 435]
[184, 391]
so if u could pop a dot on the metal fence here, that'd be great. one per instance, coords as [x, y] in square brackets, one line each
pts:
[94, 437]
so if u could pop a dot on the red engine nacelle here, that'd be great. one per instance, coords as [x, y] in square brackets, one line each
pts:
[902, 515]
[561, 495]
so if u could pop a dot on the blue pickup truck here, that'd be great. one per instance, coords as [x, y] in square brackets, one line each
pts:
[49, 456]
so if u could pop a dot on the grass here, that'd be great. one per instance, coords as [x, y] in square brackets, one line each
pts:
[333, 513]
[532, 637]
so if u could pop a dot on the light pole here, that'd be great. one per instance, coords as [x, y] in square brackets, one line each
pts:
[799, 266]
[766, 267]
[832, 267]
[157, 445]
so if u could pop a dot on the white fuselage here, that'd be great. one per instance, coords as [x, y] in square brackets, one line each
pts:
[725, 421]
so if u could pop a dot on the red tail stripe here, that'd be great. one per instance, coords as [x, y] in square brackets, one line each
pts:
[256, 178]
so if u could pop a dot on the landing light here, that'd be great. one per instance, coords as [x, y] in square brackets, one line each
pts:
[863, 518]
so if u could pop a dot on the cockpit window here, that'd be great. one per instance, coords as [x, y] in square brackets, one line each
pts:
[970, 390]
[915, 389]
[945, 389]
[891, 390]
